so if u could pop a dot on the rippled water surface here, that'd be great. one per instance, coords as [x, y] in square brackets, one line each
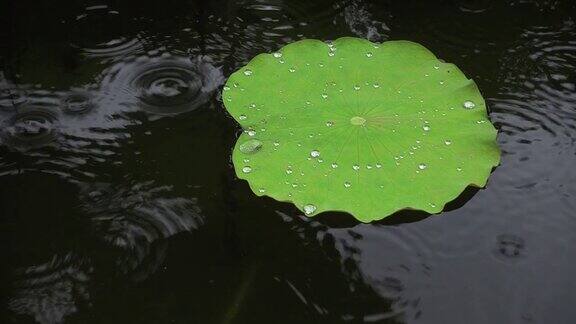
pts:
[119, 204]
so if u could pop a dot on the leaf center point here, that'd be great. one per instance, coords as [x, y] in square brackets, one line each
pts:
[358, 121]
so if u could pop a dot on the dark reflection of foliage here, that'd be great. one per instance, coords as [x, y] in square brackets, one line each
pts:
[103, 232]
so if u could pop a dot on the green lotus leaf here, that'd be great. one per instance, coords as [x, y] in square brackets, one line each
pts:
[359, 127]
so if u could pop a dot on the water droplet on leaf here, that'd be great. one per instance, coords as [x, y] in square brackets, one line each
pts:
[250, 146]
[469, 104]
[309, 209]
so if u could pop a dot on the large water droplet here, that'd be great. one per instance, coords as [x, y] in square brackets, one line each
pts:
[422, 166]
[247, 72]
[329, 124]
[356, 167]
[325, 96]
[356, 87]
[315, 153]
[292, 70]
[242, 117]
[277, 55]
[347, 184]
[309, 209]
[468, 104]
[369, 54]
[250, 146]
[246, 169]
[334, 165]
[426, 127]
[448, 142]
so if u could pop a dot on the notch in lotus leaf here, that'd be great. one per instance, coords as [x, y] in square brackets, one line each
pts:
[359, 127]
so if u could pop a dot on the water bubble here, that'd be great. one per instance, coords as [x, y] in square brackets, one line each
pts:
[247, 72]
[277, 55]
[468, 104]
[330, 53]
[458, 169]
[329, 124]
[509, 246]
[368, 166]
[376, 85]
[315, 153]
[292, 70]
[356, 87]
[289, 171]
[246, 169]
[347, 184]
[325, 96]
[448, 142]
[321, 64]
[436, 67]
[261, 190]
[426, 128]
[250, 146]
[78, 103]
[242, 117]
[252, 105]
[251, 132]
[378, 165]
[226, 88]
[334, 165]
[309, 209]
[422, 166]
[356, 167]
[276, 143]
[368, 54]
[480, 122]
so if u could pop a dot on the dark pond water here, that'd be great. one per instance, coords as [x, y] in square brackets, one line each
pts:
[119, 204]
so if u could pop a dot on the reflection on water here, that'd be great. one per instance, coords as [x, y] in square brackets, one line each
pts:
[108, 230]
[118, 203]
[51, 291]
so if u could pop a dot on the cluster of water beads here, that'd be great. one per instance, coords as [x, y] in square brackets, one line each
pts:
[310, 208]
